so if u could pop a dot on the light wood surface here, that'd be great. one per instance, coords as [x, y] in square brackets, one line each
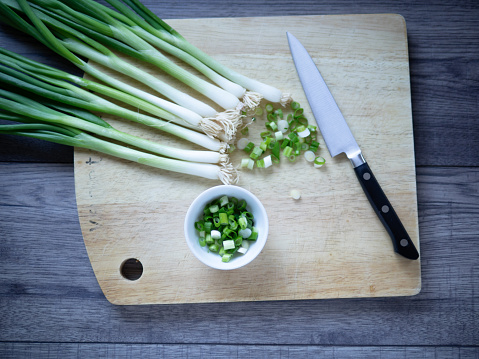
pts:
[328, 244]
[52, 306]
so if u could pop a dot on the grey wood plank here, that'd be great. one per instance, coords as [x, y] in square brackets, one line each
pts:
[172, 351]
[444, 63]
[48, 292]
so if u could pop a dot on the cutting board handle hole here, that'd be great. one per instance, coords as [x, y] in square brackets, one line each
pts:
[131, 269]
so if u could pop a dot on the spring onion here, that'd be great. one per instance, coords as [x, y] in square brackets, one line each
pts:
[112, 33]
[64, 38]
[227, 237]
[19, 105]
[247, 163]
[298, 137]
[65, 92]
[242, 143]
[295, 193]
[158, 28]
[309, 156]
[70, 40]
[319, 162]
[73, 137]
[87, 28]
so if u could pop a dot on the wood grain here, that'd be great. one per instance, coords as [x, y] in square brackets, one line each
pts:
[48, 291]
[52, 306]
[172, 351]
[443, 52]
[126, 211]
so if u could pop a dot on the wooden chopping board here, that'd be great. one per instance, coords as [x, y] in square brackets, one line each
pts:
[328, 244]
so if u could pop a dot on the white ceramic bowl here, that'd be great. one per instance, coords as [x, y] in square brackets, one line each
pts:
[196, 211]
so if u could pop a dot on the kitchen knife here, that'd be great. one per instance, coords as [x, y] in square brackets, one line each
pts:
[339, 139]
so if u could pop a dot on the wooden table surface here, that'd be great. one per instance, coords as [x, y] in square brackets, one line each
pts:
[51, 304]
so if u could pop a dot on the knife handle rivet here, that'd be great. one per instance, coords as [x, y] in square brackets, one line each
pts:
[367, 176]
[404, 242]
[385, 209]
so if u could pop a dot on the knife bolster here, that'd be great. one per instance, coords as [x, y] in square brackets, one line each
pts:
[357, 159]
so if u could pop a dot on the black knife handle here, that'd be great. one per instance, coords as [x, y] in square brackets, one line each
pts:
[401, 241]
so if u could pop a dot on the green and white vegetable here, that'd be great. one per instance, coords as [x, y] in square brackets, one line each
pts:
[285, 136]
[226, 227]
[63, 115]
[155, 30]
[16, 74]
[73, 137]
[67, 41]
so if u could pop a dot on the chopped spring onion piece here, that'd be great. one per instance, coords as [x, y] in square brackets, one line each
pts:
[214, 247]
[263, 145]
[319, 162]
[226, 257]
[303, 131]
[314, 145]
[247, 163]
[228, 244]
[265, 134]
[245, 233]
[254, 234]
[242, 143]
[242, 250]
[295, 194]
[249, 147]
[269, 107]
[279, 135]
[224, 201]
[287, 151]
[309, 156]
[275, 150]
[245, 244]
[267, 161]
[215, 234]
[283, 125]
[272, 125]
[295, 105]
[298, 112]
[257, 151]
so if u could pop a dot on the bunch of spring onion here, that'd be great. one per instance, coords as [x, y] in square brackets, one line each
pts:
[20, 72]
[61, 123]
[289, 135]
[91, 30]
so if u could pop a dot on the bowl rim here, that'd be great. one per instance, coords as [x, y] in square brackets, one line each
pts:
[193, 214]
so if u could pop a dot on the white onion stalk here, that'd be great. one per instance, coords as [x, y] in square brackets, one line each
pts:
[28, 108]
[114, 62]
[112, 28]
[203, 116]
[65, 92]
[73, 137]
[124, 26]
[163, 31]
[177, 114]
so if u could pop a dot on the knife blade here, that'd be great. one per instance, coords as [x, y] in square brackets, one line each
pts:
[339, 139]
